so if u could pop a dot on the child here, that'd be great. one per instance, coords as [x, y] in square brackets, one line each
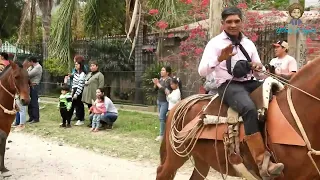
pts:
[175, 96]
[98, 108]
[21, 115]
[65, 103]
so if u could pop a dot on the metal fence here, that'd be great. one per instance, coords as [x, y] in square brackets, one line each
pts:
[128, 78]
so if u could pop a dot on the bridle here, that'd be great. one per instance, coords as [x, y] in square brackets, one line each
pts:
[14, 109]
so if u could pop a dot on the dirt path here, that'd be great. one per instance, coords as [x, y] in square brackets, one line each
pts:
[31, 158]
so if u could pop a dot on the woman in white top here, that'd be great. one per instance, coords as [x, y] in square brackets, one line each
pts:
[175, 96]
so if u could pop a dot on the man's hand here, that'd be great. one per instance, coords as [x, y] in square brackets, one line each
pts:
[75, 96]
[226, 53]
[256, 66]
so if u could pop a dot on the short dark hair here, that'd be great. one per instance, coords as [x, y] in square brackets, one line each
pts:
[5, 55]
[228, 11]
[32, 59]
[65, 88]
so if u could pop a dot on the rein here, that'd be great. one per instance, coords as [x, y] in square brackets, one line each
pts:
[14, 109]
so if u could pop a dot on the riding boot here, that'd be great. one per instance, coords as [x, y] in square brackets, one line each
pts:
[262, 156]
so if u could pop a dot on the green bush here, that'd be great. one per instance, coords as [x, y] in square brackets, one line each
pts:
[55, 67]
[151, 72]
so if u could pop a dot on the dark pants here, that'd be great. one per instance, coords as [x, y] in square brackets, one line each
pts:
[65, 115]
[33, 108]
[237, 96]
[78, 105]
[107, 118]
[17, 122]
[89, 106]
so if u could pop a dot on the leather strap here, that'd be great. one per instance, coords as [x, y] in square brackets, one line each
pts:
[236, 42]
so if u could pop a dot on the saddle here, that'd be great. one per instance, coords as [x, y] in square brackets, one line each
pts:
[216, 125]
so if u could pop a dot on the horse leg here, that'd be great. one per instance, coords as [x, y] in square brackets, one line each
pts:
[170, 163]
[3, 142]
[200, 170]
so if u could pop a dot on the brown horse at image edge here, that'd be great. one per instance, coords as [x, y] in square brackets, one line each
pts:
[14, 80]
[284, 138]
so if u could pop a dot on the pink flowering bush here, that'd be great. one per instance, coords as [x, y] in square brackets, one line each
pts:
[191, 48]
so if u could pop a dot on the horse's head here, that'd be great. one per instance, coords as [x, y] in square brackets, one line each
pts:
[20, 81]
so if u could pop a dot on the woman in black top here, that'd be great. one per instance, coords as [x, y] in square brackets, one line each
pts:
[163, 87]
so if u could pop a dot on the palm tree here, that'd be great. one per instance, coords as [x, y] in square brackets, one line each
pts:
[60, 44]
[30, 12]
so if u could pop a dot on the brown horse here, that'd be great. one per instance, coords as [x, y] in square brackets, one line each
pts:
[13, 80]
[297, 164]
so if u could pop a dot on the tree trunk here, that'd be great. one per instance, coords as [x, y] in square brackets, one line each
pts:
[45, 7]
[215, 11]
[138, 65]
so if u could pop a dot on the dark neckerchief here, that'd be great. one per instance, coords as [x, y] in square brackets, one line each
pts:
[236, 42]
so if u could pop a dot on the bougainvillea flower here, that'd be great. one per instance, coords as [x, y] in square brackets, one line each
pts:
[242, 6]
[171, 35]
[153, 12]
[162, 24]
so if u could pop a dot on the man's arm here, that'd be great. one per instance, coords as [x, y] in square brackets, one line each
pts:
[292, 67]
[209, 59]
[34, 72]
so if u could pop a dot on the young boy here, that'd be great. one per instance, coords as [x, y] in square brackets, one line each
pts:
[65, 103]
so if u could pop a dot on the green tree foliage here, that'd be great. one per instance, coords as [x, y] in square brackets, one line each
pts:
[111, 54]
[280, 5]
[152, 71]
[103, 17]
[10, 14]
[283, 4]
[25, 39]
[55, 67]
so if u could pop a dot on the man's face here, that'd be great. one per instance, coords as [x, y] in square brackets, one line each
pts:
[296, 13]
[232, 25]
[278, 51]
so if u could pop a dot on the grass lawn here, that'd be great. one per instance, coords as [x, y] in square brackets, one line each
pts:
[132, 136]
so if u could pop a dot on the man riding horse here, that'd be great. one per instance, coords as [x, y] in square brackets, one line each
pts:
[235, 61]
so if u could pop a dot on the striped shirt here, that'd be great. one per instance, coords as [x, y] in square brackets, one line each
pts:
[78, 83]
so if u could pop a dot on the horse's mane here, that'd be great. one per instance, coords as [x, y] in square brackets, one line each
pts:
[307, 71]
[7, 68]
